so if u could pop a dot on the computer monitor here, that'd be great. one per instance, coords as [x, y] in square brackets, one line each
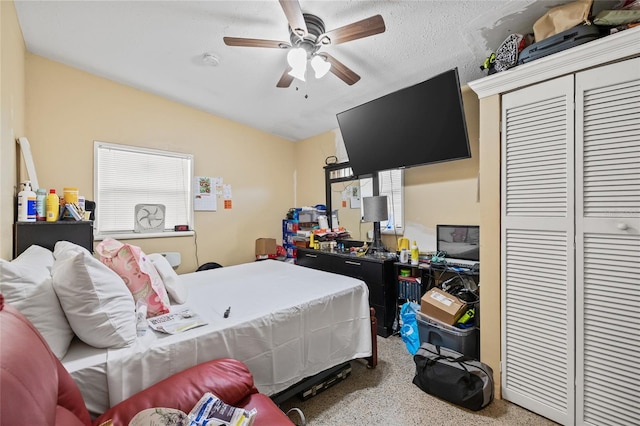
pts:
[459, 241]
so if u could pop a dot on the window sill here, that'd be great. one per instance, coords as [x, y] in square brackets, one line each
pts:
[141, 235]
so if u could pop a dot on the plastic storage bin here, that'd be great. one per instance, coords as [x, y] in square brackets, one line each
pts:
[463, 340]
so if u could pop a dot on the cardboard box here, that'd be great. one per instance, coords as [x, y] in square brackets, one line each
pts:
[442, 306]
[265, 247]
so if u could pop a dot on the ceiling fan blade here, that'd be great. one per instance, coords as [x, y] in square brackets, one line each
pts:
[255, 42]
[343, 72]
[294, 16]
[365, 28]
[286, 79]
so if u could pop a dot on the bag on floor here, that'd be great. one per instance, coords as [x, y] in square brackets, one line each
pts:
[456, 378]
[409, 330]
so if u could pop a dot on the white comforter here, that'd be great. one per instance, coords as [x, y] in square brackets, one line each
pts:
[287, 322]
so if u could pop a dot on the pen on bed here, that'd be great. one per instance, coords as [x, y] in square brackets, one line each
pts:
[227, 312]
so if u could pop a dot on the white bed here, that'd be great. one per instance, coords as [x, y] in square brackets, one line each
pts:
[287, 322]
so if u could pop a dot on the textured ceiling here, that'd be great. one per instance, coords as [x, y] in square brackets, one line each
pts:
[157, 46]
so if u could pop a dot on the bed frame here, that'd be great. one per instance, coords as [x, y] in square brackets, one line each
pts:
[313, 385]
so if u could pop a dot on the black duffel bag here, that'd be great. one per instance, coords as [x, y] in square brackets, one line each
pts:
[456, 378]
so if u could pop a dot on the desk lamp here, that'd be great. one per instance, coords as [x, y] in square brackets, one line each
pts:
[375, 210]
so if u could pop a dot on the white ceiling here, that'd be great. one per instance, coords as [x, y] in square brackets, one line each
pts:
[157, 46]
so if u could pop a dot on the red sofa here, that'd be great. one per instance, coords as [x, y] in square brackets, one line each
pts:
[37, 390]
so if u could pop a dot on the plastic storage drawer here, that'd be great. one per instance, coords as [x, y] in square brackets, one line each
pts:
[463, 340]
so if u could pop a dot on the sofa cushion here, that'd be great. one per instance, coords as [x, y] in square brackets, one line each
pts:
[27, 284]
[96, 301]
[36, 388]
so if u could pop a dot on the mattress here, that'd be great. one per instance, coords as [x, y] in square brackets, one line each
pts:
[286, 323]
[88, 367]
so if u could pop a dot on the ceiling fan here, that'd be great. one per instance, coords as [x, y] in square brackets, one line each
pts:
[307, 35]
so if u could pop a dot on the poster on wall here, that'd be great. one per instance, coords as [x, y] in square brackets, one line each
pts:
[354, 196]
[204, 193]
[226, 190]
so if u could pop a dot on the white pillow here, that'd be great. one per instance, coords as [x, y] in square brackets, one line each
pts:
[97, 303]
[172, 282]
[26, 284]
[64, 249]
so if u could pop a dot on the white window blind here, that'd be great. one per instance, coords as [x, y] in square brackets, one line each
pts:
[125, 176]
[391, 184]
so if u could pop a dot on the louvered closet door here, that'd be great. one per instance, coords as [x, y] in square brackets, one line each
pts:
[537, 249]
[608, 244]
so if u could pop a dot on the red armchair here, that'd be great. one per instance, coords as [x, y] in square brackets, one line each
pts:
[36, 389]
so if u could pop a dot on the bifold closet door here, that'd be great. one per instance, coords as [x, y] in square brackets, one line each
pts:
[608, 243]
[537, 249]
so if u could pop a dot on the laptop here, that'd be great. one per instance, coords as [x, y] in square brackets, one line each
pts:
[460, 244]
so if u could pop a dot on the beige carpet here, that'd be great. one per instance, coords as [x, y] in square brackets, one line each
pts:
[386, 396]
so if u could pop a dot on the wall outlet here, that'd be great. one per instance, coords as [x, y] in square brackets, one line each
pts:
[370, 234]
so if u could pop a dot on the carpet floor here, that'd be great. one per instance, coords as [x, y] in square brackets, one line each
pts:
[386, 396]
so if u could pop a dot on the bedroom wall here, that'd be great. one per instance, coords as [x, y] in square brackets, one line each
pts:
[12, 113]
[490, 313]
[67, 109]
[445, 193]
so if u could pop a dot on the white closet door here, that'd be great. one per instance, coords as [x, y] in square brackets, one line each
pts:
[608, 244]
[538, 249]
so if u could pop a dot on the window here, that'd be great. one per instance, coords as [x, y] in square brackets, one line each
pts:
[125, 176]
[391, 184]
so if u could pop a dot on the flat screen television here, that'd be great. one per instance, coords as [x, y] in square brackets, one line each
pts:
[459, 241]
[417, 125]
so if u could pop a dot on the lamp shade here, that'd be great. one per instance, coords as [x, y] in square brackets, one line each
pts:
[320, 66]
[375, 208]
[297, 58]
[298, 72]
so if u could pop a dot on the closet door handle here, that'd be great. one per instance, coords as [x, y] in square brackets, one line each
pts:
[349, 262]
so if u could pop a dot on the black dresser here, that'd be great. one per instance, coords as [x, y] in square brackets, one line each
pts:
[46, 234]
[377, 272]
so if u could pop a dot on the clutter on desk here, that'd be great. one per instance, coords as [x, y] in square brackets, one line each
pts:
[560, 28]
[309, 227]
[26, 203]
[40, 205]
[415, 254]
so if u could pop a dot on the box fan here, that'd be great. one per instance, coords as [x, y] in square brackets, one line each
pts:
[149, 218]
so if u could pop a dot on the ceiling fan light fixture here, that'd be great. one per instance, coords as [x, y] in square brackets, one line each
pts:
[299, 72]
[320, 66]
[297, 58]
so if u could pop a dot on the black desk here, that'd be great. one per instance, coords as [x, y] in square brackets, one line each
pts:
[429, 276]
[46, 234]
[377, 272]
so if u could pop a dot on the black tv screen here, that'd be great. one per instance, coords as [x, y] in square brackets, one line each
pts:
[417, 125]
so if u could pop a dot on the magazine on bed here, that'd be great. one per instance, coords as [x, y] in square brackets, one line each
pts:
[176, 322]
